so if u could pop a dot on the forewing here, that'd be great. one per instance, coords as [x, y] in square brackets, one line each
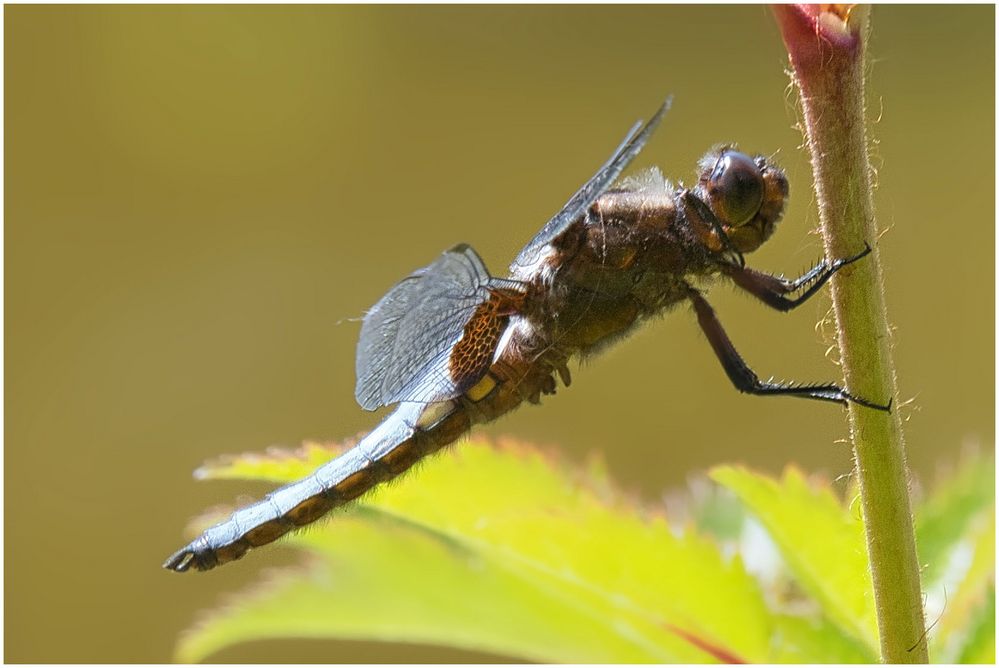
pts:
[407, 337]
[594, 188]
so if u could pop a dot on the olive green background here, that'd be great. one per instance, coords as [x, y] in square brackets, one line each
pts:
[201, 201]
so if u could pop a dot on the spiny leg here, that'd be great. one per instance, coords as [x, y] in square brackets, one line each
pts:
[772, 290]
[746, 380]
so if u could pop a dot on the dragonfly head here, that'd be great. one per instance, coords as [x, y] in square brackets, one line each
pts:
[746, 195]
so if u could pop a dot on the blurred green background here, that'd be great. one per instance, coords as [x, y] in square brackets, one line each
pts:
[199, 200]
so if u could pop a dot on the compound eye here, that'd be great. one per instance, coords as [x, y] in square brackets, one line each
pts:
[735, 188]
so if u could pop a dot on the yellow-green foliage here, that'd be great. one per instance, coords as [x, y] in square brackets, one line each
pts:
[502, 548]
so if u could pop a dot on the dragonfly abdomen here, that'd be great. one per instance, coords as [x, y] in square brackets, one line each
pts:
[400, 441]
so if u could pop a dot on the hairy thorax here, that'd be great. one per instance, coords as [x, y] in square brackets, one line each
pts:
[636, 253]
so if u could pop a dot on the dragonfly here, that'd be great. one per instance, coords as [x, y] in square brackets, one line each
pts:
[453, 346]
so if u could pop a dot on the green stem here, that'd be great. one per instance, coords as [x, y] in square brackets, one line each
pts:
[827, 54]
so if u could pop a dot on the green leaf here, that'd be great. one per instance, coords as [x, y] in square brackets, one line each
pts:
[804, 639]
[955, 529]
[383, 579]
[981, 638]
[505, 550]
[945, 517]
[819, 539]
[965, 593]
[277, 465]
[500, 549]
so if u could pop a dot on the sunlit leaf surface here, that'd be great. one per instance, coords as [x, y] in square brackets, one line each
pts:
[955, 531]
[507, 550]
[820, 539]
[500, 549]
[964, 594]
[810, 638]
[980, 638]
[947, 514]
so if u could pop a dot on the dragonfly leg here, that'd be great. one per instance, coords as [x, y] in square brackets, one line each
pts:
[773, 290]
[746, 380]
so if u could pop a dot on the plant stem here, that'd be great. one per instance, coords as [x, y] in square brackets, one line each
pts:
[827, 45]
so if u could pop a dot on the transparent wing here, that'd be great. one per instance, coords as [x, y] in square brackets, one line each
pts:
[407, 337]
[594, 188]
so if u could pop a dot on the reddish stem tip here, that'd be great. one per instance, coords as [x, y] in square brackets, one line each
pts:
[814, 33]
